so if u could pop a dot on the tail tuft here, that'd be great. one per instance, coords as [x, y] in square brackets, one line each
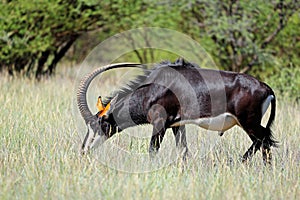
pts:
[270, 139]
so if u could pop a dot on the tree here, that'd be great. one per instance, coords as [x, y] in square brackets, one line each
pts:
[240, 31]
[126, 15]
[36, 34]
[241, 35]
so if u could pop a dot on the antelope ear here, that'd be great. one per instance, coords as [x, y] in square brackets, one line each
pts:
[100, 105]
[109, 107]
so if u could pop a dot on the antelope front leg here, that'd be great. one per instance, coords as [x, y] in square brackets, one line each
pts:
[157, 137]
[157, 117]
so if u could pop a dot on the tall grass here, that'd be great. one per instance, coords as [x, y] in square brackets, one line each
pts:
[39, 154]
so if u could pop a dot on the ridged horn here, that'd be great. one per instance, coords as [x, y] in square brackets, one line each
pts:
[85, 82]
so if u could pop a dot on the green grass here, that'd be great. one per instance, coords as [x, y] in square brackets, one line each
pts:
[40, 141]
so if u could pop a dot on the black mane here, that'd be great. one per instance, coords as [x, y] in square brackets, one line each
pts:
[134, 84]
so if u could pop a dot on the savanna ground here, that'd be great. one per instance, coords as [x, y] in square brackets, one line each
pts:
[40, 159]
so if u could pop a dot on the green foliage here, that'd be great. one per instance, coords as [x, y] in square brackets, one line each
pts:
[35, 35]
[125, 15]
[286, 46]
[157, 55]
[286, 82]
[240, 33]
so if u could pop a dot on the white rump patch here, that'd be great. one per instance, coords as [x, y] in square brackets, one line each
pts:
[266, 104]
[219, 123]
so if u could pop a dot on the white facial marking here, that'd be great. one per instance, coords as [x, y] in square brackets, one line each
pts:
[220, 123]
[98, 140]
[90, 139]
[93, 140]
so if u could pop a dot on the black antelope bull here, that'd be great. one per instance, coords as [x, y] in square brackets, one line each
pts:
[172, 95]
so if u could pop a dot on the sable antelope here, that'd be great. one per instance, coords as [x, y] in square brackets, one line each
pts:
[172, 95]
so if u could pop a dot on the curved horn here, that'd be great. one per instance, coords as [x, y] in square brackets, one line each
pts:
[85, 82]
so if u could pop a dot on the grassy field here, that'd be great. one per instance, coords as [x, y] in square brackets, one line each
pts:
[39, 157]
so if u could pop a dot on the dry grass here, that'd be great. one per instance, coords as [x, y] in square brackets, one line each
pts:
[40, 141]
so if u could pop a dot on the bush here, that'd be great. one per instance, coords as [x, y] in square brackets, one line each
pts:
[286, 82]
[35, 34]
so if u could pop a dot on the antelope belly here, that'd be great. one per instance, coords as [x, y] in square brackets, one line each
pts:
[221, 122]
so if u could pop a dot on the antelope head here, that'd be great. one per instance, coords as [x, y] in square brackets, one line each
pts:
[101, 125]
